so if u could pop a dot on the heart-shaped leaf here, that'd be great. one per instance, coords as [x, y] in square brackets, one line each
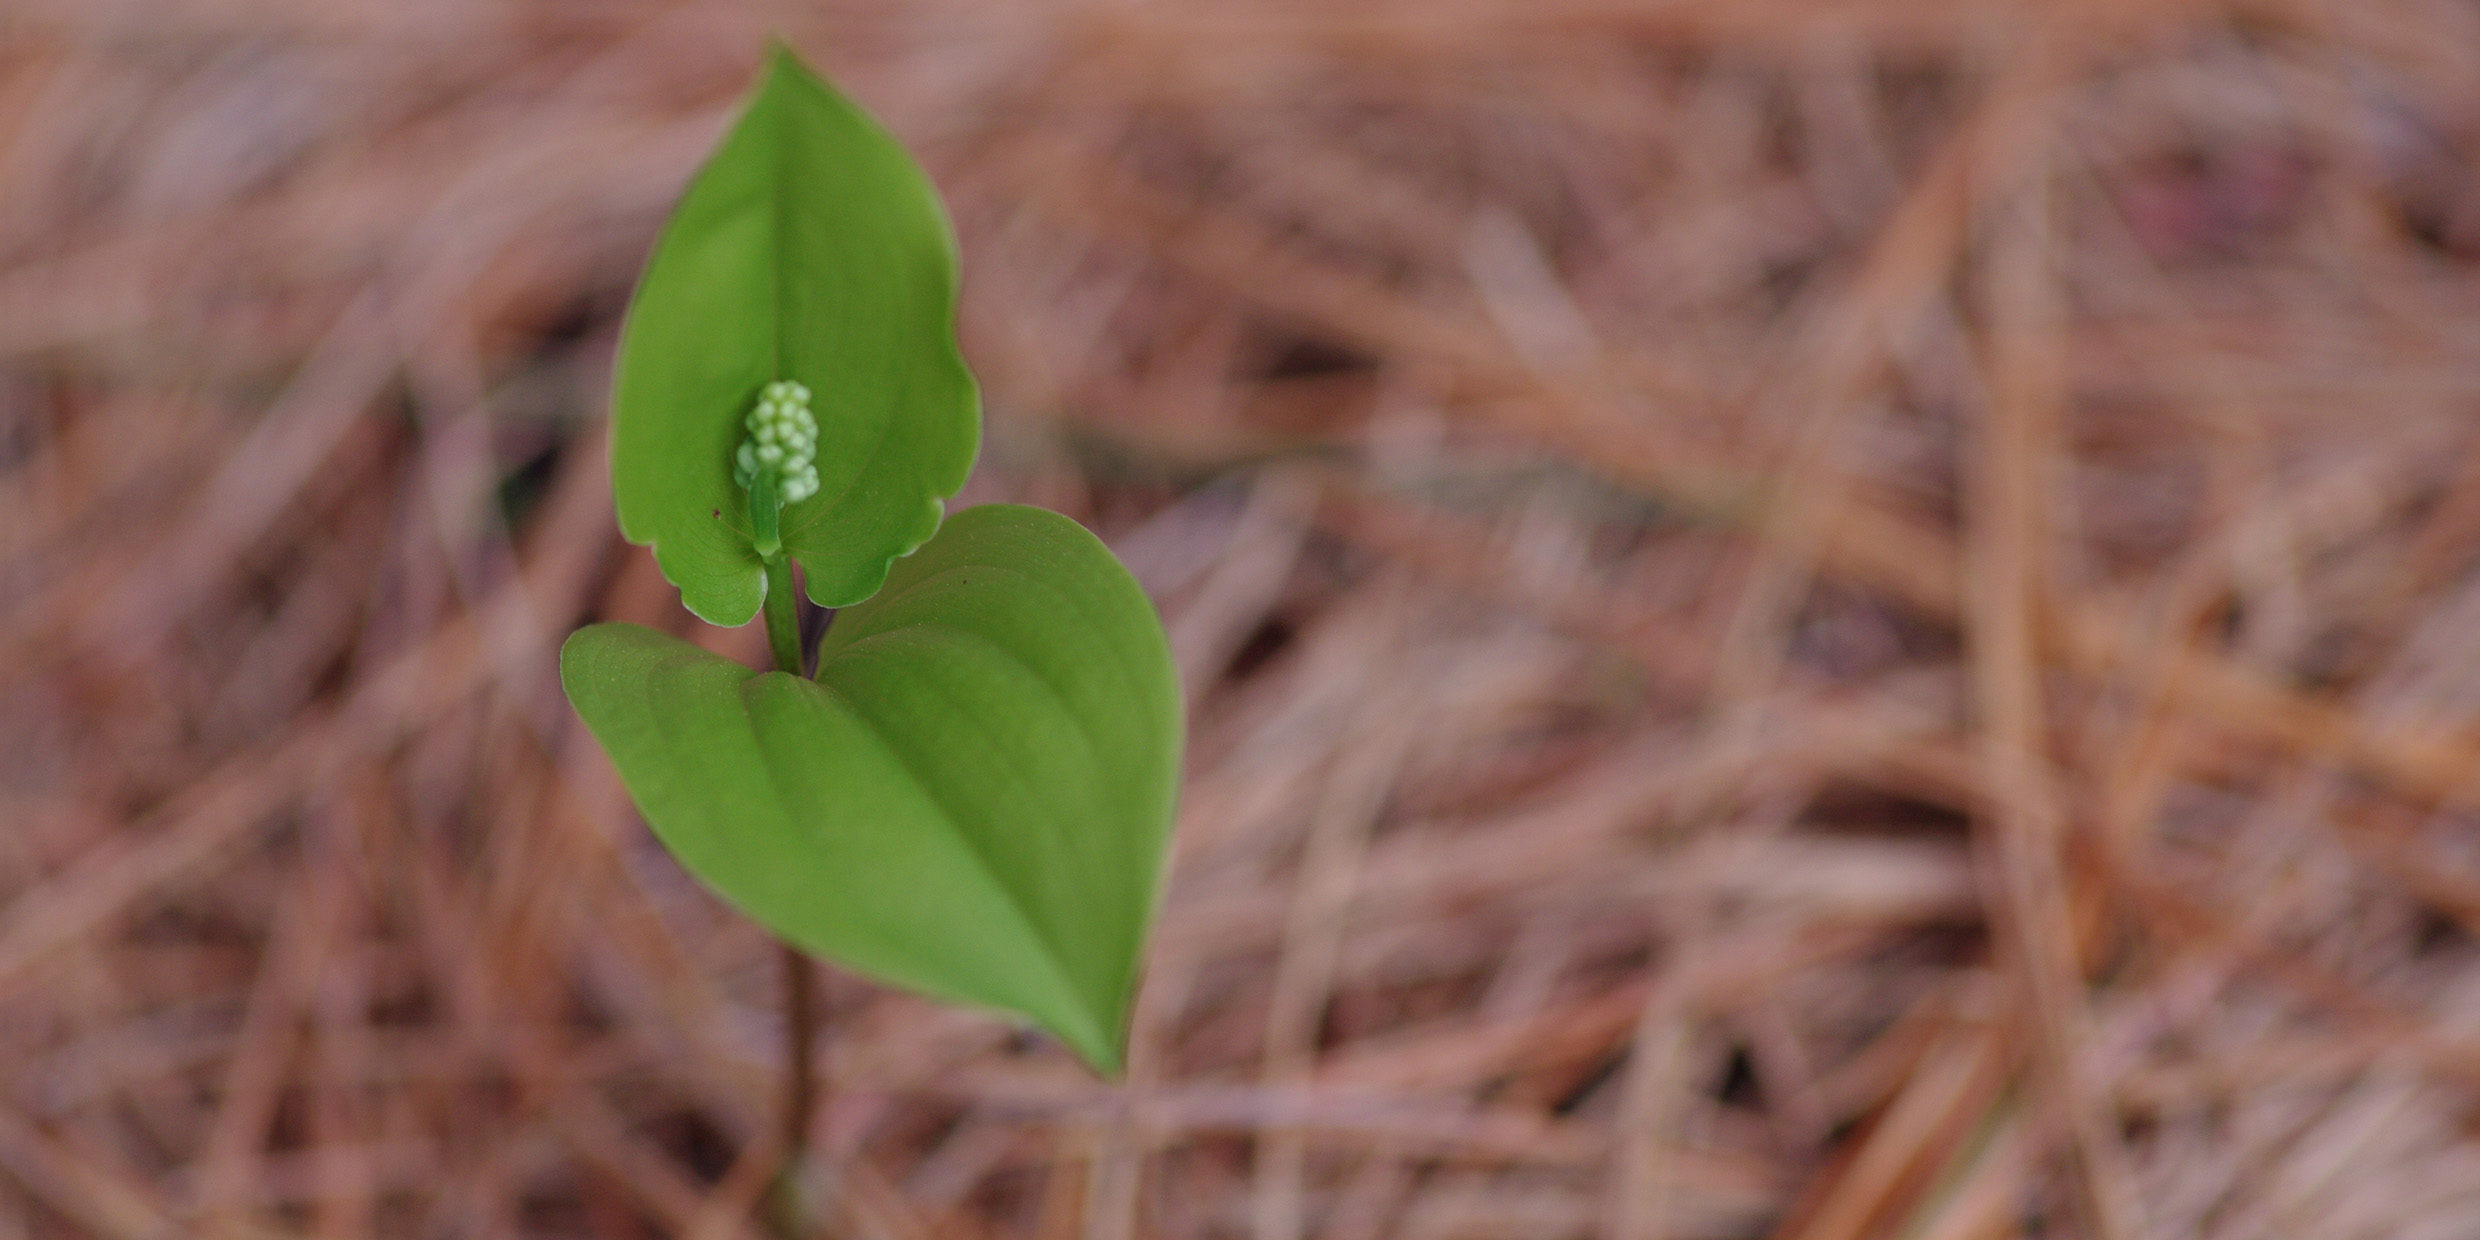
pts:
[809, 248]
[972, 799]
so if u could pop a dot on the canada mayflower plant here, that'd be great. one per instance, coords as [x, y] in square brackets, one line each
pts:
[971, 793]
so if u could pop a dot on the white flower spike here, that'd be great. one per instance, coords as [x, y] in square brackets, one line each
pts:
[783, 440]
[778, 462]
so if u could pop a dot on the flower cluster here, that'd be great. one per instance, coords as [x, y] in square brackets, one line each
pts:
[783, 441]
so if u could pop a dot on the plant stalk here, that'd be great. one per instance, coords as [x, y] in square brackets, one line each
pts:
[800, 1097]
[800, 1086]
[766, 516]
[783, 625]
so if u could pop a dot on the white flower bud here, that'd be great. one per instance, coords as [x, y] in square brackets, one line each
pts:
[782, 442]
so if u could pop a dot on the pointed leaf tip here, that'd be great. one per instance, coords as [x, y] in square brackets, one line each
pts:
[809, 248]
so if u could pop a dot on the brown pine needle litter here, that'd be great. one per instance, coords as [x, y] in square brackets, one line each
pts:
[1808, 621]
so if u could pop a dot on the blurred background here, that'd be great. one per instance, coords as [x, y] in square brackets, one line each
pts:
[1842, 618]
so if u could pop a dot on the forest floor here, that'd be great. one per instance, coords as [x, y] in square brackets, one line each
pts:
[1812, 620]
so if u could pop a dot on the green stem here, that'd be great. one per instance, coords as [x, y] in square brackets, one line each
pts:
[800, 1088]
[783, 625]
[783, 639]
[766, 511]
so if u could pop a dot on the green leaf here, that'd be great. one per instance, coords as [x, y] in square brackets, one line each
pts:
[809, 248]
[973, 798]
